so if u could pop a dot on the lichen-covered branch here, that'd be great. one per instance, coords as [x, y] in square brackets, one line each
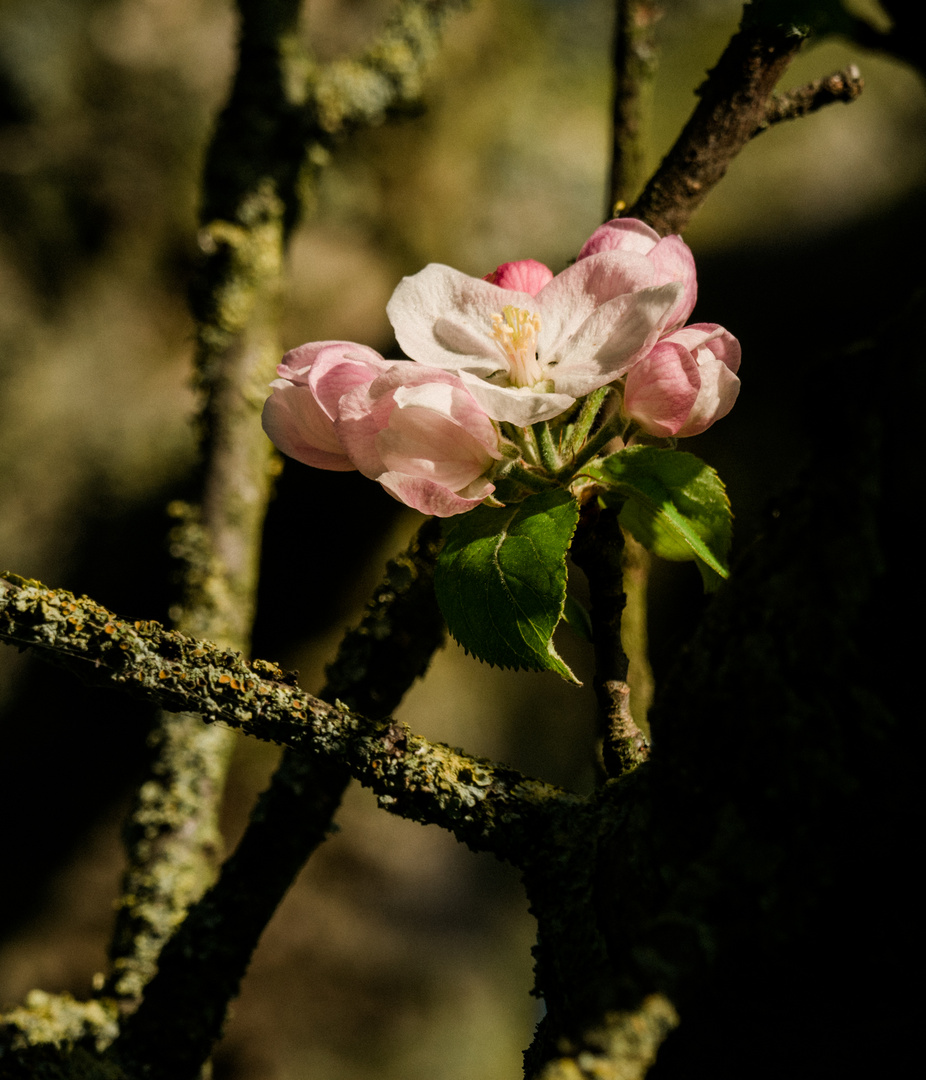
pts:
[489, 807]
[361, 92]
[172, 835]
[255, 187]
[201, 967]
[39, 1037]
[172, 841]
[621, 1044]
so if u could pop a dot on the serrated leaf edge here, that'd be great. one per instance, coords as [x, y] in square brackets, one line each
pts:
[671, 512]
[557, 664]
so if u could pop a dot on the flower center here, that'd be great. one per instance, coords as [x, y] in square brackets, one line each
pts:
[516, 332]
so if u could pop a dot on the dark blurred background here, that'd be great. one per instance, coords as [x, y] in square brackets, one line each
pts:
[398, 953]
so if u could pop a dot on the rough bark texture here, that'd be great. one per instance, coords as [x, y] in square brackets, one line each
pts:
[201, 968]
[759, 878]
[732, 108]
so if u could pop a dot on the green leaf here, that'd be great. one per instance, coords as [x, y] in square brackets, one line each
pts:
[673, 504]
[501, 580]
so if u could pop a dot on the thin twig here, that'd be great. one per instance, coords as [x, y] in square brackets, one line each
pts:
[842, 86]
[597, 550]
[732, 108]
[633, 57]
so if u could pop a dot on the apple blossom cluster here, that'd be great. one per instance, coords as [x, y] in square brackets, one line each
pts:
[496, 360]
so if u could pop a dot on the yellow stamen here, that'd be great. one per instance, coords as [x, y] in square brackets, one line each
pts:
[516, 332]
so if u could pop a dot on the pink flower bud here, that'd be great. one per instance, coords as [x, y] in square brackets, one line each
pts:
[299, 415]
[527, 276]
[416, 430]
[686, 382]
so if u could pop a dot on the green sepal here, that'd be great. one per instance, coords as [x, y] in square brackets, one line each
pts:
[673, 504]
[501, 580]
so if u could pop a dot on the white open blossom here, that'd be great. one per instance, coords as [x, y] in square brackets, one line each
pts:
[528, 356]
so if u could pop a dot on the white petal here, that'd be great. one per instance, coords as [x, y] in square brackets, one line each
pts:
[612, 339]
[519, 405]
[575, 294]
[443, 317]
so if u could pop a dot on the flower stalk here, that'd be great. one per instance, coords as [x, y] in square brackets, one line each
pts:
[588, 414]
[549, 455]
[616, 427]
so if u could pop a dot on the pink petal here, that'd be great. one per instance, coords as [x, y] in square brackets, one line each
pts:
[624, 234]
[662, 388]
[693, 336]
[721, 343]
[674, 261]
[454, 402]
[718, 361]
[361, 417]
[421, 443]
[518, 405]
[365, 412]
[297, 425]
[298, 361]
[340, 367]
[431, 498]
[575, 294]
[717, 355]
[526, 275]
[438, 432]
[670, 255]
